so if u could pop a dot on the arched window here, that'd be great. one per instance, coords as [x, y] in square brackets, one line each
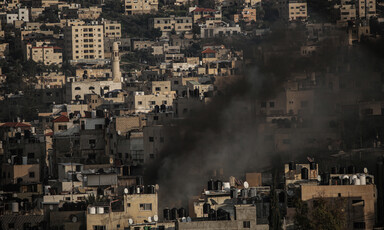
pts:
[77, 88]
[91, 88]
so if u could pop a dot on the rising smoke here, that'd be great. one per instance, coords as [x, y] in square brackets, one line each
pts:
[226, 133]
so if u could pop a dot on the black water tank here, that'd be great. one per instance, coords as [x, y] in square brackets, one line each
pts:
[312, 165]
[174, 214]
[333, 170]
[351, 169]
[304, 174]
[206, 208]
[150, 189]
[342, 170]
[139, 180]
[131, 189]
[325, 179]
[345, 181]
[211, 185]
[292, 165]
[234, 193]
[182, 213]
[218, 185]
[212, 215]
[167, 214]
[221, 214]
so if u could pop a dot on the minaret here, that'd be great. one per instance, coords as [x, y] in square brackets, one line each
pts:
[116, 74]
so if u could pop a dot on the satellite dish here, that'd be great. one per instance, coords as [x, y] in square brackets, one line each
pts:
[79, 176]
[125, 191]
[149, 219]
[189, 219]
[246, 185]
[111, 161]
[365, 170]
[9, 161]
[155, 218]
[130, 221]
[319, 178]
[183, 219]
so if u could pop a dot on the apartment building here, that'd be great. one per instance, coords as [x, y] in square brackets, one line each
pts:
[199, 14]
[347, 13]
[293, 10]
[133, 7]
[84, 43]
[44, 53]
[178, 24]
[366, 8]
[145, 103]
[247, 15]
[112, 29]
[21, 14]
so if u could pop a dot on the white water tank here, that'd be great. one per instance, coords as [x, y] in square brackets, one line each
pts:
[15, 207]
[363, 179]
[100, 210]
[92, 210]
[226, 186]
[357, 181]
[25, 160]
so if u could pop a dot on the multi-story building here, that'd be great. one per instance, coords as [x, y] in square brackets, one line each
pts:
[293, 10]
[84, 43]
[44, 53]
[366, 8]
[112, 29]
[357, 191]
[172, 23]
[132, 7]
[247, 15]
[199, 14]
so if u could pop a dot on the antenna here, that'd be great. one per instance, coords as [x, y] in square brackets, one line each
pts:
[246, 185]
[155, 218]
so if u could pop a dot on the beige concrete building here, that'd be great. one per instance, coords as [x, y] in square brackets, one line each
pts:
[178, 24]
[84, 43]
[44, 53]
[112, 29]
[26, 173]
[293, 10]
[247, 15]
[360, 201]
[133, 207]
[366, 8]
[50, 80]
[145, 103]
[132, 7]
[91, 13]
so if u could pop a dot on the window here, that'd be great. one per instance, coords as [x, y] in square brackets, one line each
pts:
[164, 102]
[286, 141]
[62, 127]
[92, 141]
[246, 224]
[357, 202]
[152, 156]
[31, 174]
[99, 227]
[161, 139]
[145, 207]
[139, 102]
[77, 88]
[128, 205]
[263, 104]
[271, 104]
[152, 102]
[151, 139]
[11, 225]
[157, 88]
[31, 155]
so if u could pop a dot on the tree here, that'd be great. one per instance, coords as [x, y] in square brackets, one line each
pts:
[325, 214]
